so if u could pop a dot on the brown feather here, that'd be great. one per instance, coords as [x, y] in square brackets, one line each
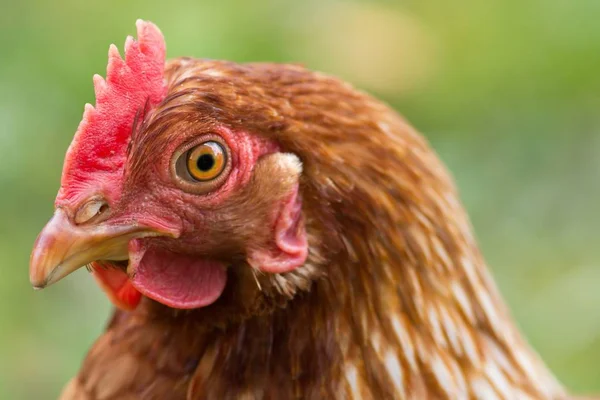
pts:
[395, 300]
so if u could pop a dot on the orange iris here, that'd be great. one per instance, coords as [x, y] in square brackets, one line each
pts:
[206, 161]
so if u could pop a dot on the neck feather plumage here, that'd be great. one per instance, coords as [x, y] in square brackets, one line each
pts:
[430, 315]
[420, 294]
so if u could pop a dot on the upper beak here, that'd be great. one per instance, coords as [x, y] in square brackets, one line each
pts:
[62, 247]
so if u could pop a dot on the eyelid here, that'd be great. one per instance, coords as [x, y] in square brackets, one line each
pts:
[185, 181]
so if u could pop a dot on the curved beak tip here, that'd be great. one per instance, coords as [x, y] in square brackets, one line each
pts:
[35, 279]
[40, 278]
[53, 247]
[38, 282]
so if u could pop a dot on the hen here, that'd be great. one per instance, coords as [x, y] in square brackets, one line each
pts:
[270, 232]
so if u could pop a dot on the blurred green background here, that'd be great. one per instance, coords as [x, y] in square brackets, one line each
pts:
[508, 92]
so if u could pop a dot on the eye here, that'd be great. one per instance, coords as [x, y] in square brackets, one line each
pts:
[206, 161]
[203, 165]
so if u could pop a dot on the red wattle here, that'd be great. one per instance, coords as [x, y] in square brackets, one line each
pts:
[175, 280]
[117, 287]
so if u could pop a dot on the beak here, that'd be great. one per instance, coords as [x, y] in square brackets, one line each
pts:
[63, 247]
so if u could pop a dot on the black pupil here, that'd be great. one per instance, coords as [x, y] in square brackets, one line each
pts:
[205, 162]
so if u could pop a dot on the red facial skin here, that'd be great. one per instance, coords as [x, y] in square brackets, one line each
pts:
[167, 269]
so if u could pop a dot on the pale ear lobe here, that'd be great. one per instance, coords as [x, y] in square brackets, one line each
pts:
[278, 174]
[289, 247]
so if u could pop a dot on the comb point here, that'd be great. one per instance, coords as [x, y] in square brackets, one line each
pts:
[132, 51]
[129, 41]
[113, 52]
[88, 111]
[115, 64]
[138, 23]
[150, 38]
[99, 86]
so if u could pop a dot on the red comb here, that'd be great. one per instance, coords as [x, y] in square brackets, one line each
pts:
[96, 157]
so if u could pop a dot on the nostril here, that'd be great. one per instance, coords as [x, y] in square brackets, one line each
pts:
[91, 211]
[103, 208]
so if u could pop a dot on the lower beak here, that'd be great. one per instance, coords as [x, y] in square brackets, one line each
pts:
[63, 247]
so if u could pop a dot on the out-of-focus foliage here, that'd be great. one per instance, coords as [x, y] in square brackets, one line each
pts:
[508, 91]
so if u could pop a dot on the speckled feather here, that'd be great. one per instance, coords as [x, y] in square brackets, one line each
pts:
[395, 300]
